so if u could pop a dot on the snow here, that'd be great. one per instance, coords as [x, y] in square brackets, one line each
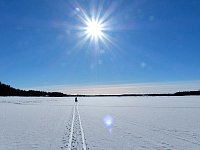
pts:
[100, 123]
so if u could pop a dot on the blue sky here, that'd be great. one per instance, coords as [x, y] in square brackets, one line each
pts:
[150, 41]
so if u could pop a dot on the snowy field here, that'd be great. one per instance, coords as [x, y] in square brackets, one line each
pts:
[112, 123]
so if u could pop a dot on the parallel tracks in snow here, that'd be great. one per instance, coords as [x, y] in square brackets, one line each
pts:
[71, 133]
[76, 137]
[82, 133]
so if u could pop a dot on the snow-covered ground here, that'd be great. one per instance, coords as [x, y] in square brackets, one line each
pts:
[112, 123]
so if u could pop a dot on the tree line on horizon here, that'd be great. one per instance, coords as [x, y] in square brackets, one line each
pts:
[7, 90]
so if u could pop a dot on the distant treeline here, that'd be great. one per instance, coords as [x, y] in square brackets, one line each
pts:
[7, 90]
[184, 93]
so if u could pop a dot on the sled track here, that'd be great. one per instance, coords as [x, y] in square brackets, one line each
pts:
[82, 133]
[71, 133]
[74, 137]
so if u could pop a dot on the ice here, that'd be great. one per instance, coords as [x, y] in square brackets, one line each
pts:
[110, 123]
[32, 123]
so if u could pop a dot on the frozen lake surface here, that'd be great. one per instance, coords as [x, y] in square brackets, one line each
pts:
[112, 123]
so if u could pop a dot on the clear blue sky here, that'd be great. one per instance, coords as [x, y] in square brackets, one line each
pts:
[151, 41]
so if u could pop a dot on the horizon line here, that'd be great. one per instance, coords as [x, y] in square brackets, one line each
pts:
[124, 88]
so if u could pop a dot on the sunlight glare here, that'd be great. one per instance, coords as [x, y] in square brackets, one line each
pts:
[94, 29]
[108, 121]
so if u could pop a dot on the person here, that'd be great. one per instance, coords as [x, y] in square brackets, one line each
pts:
[76, 99]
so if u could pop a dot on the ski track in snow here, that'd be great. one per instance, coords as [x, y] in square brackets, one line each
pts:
[74, 138]
[82, 133]
[71, 133]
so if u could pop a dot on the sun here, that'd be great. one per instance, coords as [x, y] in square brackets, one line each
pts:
[94, 29]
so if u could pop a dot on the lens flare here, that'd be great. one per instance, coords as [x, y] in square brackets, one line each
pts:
[108, 121]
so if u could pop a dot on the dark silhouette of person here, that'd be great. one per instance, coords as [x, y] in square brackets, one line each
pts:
[76, 99]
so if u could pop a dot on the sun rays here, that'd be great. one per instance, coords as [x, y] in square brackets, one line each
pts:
[94, 27]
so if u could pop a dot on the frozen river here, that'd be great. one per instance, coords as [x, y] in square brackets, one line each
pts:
[112, 123]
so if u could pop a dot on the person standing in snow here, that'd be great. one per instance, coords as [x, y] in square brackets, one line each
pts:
[76, 99]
